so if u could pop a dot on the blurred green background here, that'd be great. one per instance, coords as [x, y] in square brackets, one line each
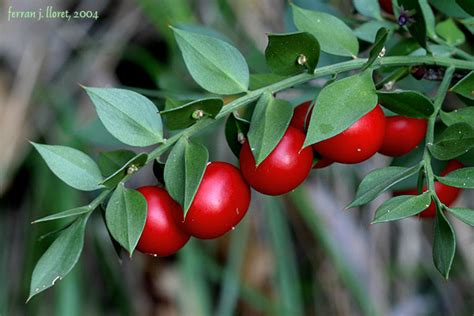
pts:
[300, 254]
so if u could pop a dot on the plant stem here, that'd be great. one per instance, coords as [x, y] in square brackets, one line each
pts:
[251, 96]
[456, 50]
[442, 90]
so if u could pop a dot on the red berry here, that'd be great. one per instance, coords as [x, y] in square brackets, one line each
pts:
[323, 163]
[161, 235]
[357, 143]
[222, 199]
[402, 135]
[446, 194]
[284, 169]
[300, 116]
[386, 5]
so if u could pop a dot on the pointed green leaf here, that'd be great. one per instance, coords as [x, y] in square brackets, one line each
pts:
[128, 116]
[270, 120]
[456, 140]
[380, 39]
[401, 207]
[464, 214]
[184, 170]
[368, 8]
[450, 8]
[333, 35]
[125, 216]
[466, 5]
[406, 103]
[68, 213]
[462, 115]
[368, 30]
[339, 105]
[450, 32]
[460, 178]
[444, 244]
[418, 27]
[111, 161]
[184, 115]
[214, 64]
[429, 17]
[72, 166]
[59, 259]
[465, 87]
[196, 157]
[284, 53]
[138, 161]
[380, 180]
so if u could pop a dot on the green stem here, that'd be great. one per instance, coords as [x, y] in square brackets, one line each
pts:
[456, 50]
[440, 96]
[302, 78]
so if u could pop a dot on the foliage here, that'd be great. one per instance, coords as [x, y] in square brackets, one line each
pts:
[220, 69]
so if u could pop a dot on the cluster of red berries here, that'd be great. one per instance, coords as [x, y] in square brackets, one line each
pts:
[223, 196]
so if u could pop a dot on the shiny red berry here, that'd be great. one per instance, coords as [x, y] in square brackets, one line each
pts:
[323, 163]
[283, 170]
[300, 121]
[386, 5]
[221, 201]
[402, 135]
[357, 143]
[301, 116]
[161, 235]
[446, 194]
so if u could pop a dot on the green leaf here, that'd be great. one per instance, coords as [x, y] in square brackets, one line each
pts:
[185, 115]
[465, 87]
[380, 39]
[450, 32]
[380, 180]
[401, 206]
[464, 214]
[368, 31]
[125, 216]
[214, 64]
[138, 161]
[444, 244]
[60, 258]
[333, 35]
[450, 8]
[368, 8]
[462, 115]
[128, 116]
[270, 120]
[72, 166]
[406, 103]
[68, 213]
[184, 170]
[233, 127]
[340, 105]
[466, 5]
[460, 178]
[418, 28]
[111, 161]
[429, 17]
[284, 53]
[469, 24]
[258, 81]
[454, 141]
